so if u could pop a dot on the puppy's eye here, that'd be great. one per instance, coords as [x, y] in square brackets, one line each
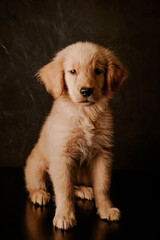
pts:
[73, 71]
[98, 71]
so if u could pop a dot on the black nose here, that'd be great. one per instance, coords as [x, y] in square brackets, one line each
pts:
[86, 92]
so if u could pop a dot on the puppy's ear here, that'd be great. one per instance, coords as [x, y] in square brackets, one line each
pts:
[51, 75]
[115, 74]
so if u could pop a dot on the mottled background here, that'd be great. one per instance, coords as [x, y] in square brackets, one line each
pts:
[31, 31]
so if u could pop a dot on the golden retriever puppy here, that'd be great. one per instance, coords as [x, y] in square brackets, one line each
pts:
[75, 142]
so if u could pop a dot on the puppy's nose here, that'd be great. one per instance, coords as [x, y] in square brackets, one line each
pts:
[86, 92]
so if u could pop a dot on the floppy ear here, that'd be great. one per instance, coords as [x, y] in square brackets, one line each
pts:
[51, 75]
[115, 76]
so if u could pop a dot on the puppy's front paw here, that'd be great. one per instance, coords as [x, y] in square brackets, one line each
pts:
[40, 197]
[64, 222]
[110, 214]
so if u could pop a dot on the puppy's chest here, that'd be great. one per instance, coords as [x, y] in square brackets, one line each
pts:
[85, 139]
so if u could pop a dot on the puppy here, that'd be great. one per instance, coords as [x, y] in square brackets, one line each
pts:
[75, 142]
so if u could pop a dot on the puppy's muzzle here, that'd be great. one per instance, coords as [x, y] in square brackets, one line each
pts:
[86, 92]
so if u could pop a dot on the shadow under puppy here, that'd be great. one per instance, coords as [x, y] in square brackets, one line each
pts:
[75, 142]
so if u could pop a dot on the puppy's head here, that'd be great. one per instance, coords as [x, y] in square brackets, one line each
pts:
[86, 71]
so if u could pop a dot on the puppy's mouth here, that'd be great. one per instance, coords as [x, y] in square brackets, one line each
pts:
[86, 102]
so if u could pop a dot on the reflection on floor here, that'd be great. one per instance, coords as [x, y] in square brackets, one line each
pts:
[135, 193]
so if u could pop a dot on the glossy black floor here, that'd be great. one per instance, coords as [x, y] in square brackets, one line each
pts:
[135, 193]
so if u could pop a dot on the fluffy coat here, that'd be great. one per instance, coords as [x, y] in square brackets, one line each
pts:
[75, 142]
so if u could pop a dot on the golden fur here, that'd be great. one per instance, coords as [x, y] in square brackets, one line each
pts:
[75, 142]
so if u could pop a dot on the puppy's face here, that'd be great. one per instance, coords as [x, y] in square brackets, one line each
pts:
[86, 71]
[84, 74]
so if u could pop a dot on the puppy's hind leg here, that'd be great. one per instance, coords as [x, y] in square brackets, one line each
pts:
[84, 192]
[35, 178]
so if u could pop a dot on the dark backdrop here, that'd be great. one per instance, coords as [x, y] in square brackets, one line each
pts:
[31, 31]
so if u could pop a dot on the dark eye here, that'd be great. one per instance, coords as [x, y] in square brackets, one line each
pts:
[73, 71]
[98, 71]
